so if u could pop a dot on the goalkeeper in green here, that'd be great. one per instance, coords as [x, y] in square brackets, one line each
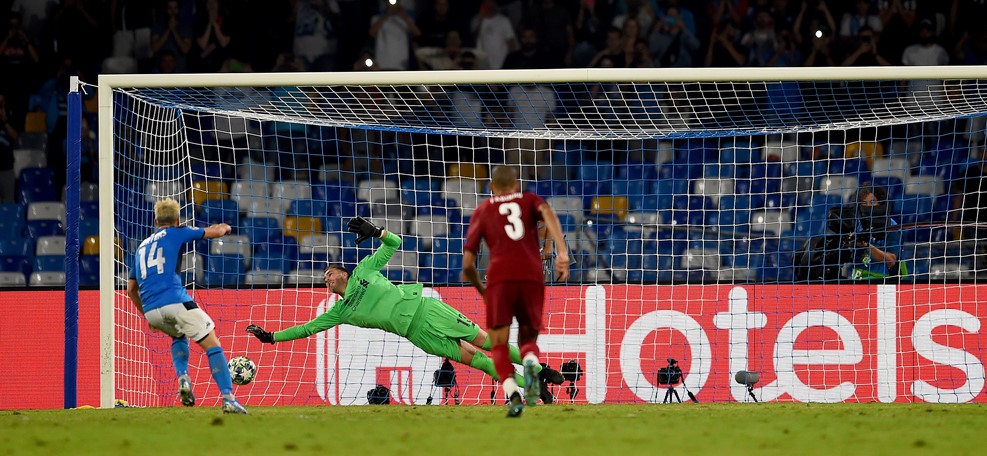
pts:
[369, 300]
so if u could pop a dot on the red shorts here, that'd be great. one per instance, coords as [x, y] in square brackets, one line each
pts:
[506, 300]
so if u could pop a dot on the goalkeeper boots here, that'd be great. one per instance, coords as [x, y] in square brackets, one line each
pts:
[185, 391]
[532, 384]
[515, 405]
[233, 406]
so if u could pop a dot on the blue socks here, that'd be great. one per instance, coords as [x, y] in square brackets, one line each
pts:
[179, 355]
[220, 371]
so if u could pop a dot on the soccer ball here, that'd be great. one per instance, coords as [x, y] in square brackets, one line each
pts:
[243, 370]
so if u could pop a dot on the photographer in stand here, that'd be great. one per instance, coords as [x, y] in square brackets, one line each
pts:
[870, 232]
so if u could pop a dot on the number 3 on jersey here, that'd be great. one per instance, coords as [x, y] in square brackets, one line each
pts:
[514, 230]
[156, 260]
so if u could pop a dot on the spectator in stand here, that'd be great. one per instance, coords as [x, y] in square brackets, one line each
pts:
[614, 52]
[971, 49]
[723, 50]
[853, 21]
[19, 67]
[762, 40]
[685, 15]
[813, 32]
[494, 34]
[529, 56]
[436, 26]
[170, 34]
[287, 62]
[393, 32]
[70, 21]
[643, 12]
[927, 51]
[898, 19]
[589, 29]
[787, 53]
[726, 10]
[34, 16]
[444, 58]
[8, 138]
[555, 31]
[52, 98]
[866, 53]
[315, 39]
[672, 44]
[167, 63]
[213, 39]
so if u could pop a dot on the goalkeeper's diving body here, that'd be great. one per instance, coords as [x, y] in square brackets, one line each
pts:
[369, 300]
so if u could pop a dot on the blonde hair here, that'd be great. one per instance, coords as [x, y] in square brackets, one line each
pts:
[166, 212]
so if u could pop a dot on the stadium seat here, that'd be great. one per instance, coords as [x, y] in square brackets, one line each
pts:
[205, 190]
[256, 172]
[224, 271]
[231, 245]
[90, 245]
[287, 191]
[844, 186]
[49, 263]
[780, 149]
[378, 190]
[701, 258]
[569, 205]
[35, 191]
[465, 192]
[260, 229]
[265, 277]
[89, 210]
[923, 185]
[305, 277]
[308, 208]
[27, 157]
[39, 228]
[269, 261]
[405, 261]
[35, 122]
[50, 245]
[219, 211]
[15, 263]
[774, 221]
[428, 227]
[46, 211]
[12, 279]
[249, 189]
[89, 270]
[17, 247]
[609, 207]
[713, 188]
[262, 207]
[467, 171]
[950, 271]
[325, 247]
[158, 190]
[867, 150]
[894, 167]
[11, 227]
[47, 279]
[193, 268]
[297, 227]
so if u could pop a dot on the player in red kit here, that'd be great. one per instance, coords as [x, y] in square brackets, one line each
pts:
[508, 222]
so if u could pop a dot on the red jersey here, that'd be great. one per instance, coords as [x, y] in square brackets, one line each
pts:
[509, 224]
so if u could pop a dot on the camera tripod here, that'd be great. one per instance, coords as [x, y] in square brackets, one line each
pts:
[669, 393]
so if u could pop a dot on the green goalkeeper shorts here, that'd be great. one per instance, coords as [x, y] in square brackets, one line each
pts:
[441, 329]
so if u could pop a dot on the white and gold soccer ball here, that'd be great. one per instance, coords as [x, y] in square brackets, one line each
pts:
[243, 370]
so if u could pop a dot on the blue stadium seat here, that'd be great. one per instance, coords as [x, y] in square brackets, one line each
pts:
[260, 229]
[15, 263]
[913, 209]
[811, 221]
[211, 170]
[719, 170]
[398, 275]
[738, 153]
[765, 169]
[224, 270]
[36, 176]
[88, 227]
[89, 270]
[307, 208]
[808, 168]
[595, 171]
[819, 199]
[17, 247]
[38, 228]
[11, 211]
[272, 262]
[219, 211]
[892, 185]
[679, 171]
[11, 227]
[49, 263]
[333, 192]
[634, 188]
[89, 210]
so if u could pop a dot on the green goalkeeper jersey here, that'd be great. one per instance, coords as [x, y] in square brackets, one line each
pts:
[371, 301]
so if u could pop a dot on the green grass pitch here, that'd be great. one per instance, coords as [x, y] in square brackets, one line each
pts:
[560, 429]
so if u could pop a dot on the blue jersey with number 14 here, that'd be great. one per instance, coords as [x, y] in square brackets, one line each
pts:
[155, 266]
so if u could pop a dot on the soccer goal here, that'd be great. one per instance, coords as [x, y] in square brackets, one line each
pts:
[721, 218]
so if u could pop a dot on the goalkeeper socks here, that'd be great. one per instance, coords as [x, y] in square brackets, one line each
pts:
[514, 352]
[510, 386]
[220, 370]
[502, 362]
[179, 355]
[484, 363]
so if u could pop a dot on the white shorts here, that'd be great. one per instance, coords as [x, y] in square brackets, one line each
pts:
[181, 320]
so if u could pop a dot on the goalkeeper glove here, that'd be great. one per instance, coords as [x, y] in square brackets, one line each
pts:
[364, 228]
[258, 332]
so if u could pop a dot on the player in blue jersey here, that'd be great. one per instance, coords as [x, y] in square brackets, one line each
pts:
[157, 291]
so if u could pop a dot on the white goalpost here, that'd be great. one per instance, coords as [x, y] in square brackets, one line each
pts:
[711, 213]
